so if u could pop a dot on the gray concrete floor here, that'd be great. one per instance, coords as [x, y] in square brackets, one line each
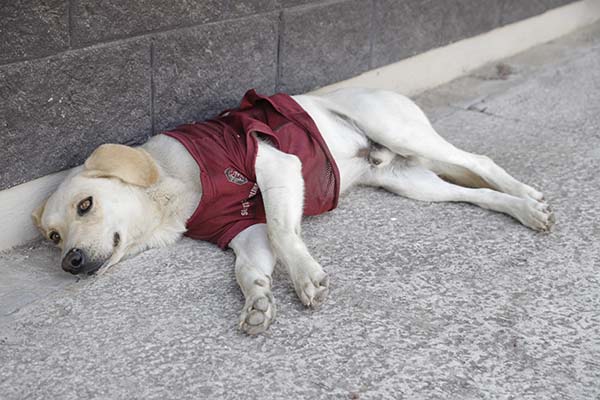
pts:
[427, 300]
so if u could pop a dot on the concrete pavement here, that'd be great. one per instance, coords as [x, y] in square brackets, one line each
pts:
[427, 300]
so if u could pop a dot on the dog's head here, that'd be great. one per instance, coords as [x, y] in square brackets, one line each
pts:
[99, 208]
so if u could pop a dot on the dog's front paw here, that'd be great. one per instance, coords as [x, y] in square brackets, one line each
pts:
[312, 288]
[258, 313]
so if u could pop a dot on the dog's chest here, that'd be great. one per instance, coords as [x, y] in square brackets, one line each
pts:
[225, 149]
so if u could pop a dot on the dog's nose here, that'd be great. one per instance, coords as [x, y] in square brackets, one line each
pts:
[74, 261]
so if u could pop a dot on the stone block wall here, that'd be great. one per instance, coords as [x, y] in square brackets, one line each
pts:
[78, 73]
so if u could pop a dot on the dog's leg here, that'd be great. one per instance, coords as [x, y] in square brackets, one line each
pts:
[279, 178]
[253, 268]
[419, 183]
[420, 139]
[397, 123]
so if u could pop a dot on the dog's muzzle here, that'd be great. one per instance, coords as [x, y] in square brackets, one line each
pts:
[76, 262]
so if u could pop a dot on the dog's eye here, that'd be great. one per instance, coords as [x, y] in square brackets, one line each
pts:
[85, 205]
[55, 237]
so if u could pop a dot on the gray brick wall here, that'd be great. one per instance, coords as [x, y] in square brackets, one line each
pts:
[78, 73]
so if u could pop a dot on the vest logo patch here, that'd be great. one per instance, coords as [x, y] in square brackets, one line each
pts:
[235, 177]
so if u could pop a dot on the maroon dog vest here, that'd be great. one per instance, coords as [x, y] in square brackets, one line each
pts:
[225, 150]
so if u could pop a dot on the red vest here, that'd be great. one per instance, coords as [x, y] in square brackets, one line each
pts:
[225, 150]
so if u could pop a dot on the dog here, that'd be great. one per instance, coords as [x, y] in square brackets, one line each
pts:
[125, 200]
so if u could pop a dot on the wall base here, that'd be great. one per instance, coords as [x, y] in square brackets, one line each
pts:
[438, 66]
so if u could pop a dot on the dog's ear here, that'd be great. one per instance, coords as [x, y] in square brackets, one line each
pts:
[131, 165]
[36, 215]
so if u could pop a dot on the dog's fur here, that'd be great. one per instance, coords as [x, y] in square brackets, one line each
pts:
[144, 196]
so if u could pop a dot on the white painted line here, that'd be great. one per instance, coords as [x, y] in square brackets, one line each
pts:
[16, 206]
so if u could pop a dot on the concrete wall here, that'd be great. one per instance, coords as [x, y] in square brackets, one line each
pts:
[78, 73]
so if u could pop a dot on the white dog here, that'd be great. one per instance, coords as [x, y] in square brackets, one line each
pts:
[125, 200]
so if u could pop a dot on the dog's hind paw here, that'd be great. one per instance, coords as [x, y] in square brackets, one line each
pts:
[530, 193]
[258, 314]
[537, 215]
[312, 289]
